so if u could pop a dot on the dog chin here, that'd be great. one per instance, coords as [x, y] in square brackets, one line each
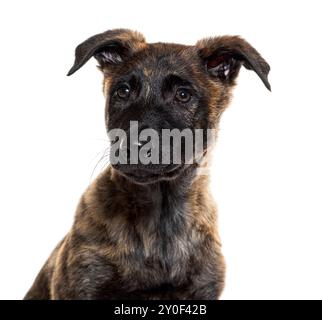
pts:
[142, 176]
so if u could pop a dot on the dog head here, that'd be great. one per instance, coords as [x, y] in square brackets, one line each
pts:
[161, 86]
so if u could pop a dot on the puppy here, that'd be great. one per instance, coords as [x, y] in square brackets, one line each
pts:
[149, 231]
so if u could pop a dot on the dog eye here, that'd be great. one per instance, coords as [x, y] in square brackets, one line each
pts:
[123, 92]
[183, 95]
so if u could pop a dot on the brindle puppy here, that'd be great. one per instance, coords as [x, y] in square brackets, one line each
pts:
[149, 232]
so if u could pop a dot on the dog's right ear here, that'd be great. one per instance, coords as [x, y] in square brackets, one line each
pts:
[110, 47]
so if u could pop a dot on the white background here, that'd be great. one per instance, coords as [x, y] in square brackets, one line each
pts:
[266, 177]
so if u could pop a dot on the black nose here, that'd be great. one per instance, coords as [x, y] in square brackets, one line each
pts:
[135, 142]
[132, 146]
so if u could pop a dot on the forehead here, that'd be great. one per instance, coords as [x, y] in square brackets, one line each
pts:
[161, 59]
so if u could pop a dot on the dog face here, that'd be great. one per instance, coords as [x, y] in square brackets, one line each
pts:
[166, 86]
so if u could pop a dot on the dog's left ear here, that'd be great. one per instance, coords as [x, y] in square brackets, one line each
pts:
[108, 48]
[223, 57]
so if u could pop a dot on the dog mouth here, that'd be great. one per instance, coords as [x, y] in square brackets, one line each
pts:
[148, 175]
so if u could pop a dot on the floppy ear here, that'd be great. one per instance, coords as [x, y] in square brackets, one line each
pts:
[223, 57]
[110, 47]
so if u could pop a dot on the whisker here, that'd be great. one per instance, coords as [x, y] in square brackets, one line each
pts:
[106, 153]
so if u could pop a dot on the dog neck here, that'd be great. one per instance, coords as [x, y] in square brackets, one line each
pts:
[161, 210]
[161, 207]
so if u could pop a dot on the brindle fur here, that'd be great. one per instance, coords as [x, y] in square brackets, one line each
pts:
[159, 239]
